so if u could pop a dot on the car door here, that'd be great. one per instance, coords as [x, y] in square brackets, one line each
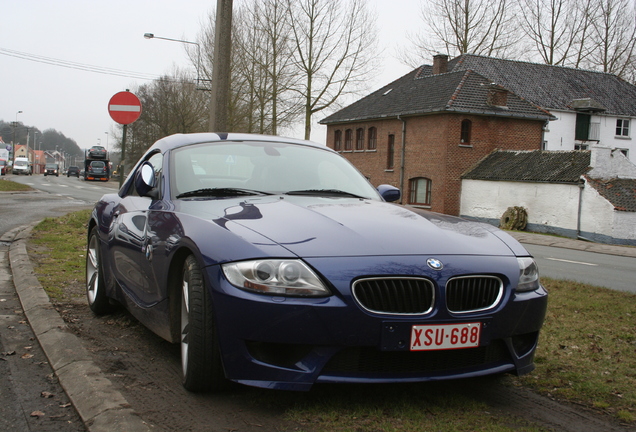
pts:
[130, 243]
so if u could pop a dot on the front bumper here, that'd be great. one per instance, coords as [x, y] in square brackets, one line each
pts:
[292, 343]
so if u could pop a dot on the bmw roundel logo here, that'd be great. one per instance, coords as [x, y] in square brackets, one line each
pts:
[434, 263]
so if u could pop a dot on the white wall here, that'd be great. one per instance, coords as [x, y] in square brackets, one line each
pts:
[604, 223]
[547, 204]
[552, 208]
[560, 133]
[610, 164]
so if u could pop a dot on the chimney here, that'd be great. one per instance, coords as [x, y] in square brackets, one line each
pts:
[440, 64]
[497, 96]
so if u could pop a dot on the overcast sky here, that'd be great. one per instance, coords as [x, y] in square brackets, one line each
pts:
[108, 34]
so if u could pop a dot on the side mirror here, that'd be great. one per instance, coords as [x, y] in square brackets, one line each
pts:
[145, 182]
[389, 193]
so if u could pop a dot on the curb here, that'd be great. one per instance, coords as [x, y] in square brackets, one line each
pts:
[101, 407]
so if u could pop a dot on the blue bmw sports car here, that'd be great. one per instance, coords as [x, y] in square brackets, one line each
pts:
[274, 263]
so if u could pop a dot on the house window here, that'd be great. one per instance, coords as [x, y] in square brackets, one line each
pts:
[420, 191]
[337, 140]
[359, 139]
[465, 132]
[582, 131]
[390, 152]
[348, 140]
[371, 144]
[622, 128]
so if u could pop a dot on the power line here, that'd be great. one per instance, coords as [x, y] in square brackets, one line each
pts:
[77, 66]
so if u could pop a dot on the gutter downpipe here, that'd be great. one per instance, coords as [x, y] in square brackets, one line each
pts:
[403, 161]
[580, 212]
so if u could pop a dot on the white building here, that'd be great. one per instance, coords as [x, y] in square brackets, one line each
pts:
[579, 194]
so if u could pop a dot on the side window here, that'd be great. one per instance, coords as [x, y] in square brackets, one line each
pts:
[157, 162]
[156, 159]
[390, 156]
[348, 140]
[622, 128]
[371, 144]
[337, 140]
[465, 132]
[420, 191]
[359, 139]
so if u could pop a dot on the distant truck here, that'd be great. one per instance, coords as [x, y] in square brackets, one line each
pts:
[22, 165]
[96, 164]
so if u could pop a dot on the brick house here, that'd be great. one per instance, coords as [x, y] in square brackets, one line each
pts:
[423, 131]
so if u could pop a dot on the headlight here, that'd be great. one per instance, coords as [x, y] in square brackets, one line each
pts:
[528, 275]
[276, 277]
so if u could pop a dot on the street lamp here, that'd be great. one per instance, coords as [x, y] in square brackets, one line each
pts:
[15, 128]
[152, 36]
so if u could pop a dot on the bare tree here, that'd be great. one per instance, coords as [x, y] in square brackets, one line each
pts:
[264, 61]
[333, 42]
[557, 29]
[172, 104]
[614, 37]
[483, 27]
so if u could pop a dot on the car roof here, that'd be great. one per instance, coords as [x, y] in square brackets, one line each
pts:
[180, 140]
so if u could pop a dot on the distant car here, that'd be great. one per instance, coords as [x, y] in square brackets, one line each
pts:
[275, 263]
[22, 165]
[52, 169]
[5, 168]
[97, 170]
[97, 152]
[73, 171]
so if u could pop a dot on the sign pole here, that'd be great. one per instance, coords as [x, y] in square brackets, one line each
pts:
[122, 161]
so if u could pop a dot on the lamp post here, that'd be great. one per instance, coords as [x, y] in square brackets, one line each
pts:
[15, 127]
[152, 36]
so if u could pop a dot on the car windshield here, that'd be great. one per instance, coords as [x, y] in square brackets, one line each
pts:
[97, 164]
[255, 168]
[20, 163]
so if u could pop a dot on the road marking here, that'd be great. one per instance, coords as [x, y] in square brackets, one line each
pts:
[573, 262]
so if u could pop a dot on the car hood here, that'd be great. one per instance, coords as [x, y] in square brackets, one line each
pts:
[330, 227]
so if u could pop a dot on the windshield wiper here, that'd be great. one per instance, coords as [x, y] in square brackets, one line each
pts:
[221, 192]
[324, 192]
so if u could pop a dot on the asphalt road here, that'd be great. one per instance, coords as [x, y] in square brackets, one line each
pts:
[599, 269]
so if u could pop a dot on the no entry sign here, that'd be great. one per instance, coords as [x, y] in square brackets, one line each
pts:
[124, 107]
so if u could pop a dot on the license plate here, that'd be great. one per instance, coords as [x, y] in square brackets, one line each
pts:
[445, 336]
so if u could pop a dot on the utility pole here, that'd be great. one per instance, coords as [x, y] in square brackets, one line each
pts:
[220, 95]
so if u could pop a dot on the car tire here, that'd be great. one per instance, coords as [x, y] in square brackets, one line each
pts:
[95, 286]
[200, 356]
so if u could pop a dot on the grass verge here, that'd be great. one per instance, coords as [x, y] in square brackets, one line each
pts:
[58, 248]
[586, 355]
[587, 350]
[11, 186]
